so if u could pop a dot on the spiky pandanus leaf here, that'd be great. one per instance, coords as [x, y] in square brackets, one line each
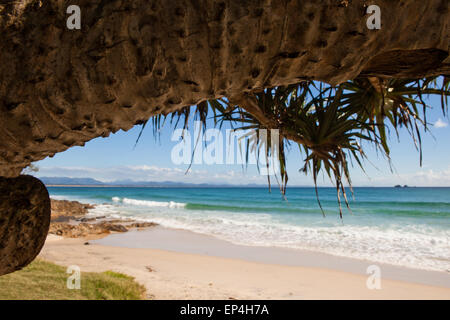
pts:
[397, 100]
[329, 124]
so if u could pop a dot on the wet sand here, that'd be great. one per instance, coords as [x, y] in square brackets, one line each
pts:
[177, 264]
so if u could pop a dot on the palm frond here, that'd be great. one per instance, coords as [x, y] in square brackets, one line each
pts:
[330, 124]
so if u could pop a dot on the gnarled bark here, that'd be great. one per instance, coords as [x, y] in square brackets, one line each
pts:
[134, 59]
[24, 221]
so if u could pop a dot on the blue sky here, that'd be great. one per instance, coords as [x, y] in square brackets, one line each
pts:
[115, 158]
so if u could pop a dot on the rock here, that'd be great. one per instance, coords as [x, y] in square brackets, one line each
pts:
[142, 224]
[86, 219]
[120, 220]
[113, 227]
[63, 218]
[66, 214]
[65, 208]
[77, 231]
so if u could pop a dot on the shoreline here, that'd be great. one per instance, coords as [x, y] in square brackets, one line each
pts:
[210, 268]
[176, 275]
[189, 242]
[182, 264]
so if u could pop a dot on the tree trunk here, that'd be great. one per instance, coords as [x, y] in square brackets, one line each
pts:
[24, 221]
[134, 59]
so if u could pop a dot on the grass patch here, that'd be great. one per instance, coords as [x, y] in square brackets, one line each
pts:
[43, 280]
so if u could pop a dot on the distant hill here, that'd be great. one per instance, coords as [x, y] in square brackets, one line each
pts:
[70, 181]
[173, 184]
[131, 183]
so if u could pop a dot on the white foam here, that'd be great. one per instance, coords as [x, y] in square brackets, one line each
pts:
[393, 246]
[148, 203]
[411, 245]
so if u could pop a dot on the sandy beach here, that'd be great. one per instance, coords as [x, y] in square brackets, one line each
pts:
[175, 264]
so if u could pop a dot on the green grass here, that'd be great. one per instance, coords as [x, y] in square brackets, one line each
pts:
[43, 280]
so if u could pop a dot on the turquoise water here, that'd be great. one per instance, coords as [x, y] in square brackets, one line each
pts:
[400, 226]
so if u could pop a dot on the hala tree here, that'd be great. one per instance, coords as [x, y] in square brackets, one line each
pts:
[331, 125]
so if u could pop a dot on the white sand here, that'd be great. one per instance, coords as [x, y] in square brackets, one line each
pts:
[178, 275]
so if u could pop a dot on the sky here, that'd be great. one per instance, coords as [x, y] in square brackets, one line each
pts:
[117, 158]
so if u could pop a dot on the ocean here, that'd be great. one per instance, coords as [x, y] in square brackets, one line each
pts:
[400, 226]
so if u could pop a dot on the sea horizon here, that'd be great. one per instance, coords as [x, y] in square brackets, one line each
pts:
[224, 186]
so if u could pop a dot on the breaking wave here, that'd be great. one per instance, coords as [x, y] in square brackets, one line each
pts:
[148, 203]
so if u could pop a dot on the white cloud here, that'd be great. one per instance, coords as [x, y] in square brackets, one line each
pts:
[440, 123]
[421, 178]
